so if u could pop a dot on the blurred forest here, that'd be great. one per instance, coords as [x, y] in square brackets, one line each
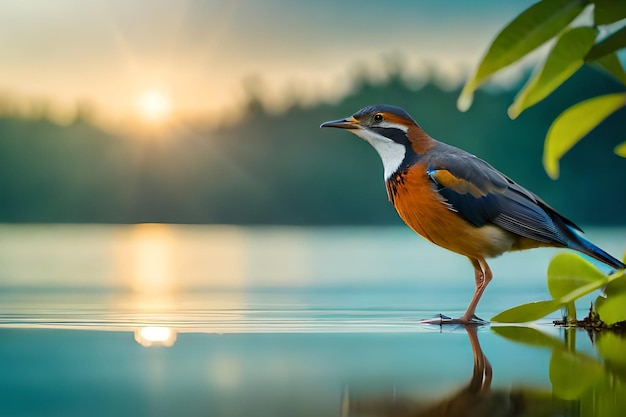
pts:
[280, 168]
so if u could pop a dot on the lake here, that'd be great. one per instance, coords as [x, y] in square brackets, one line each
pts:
[160, 320]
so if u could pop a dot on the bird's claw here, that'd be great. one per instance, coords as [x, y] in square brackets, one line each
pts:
[438, 319]
[441, 319]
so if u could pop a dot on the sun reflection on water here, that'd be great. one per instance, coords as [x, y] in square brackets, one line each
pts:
[153, 253]
[148, 267]
[160, 259]
[181, 274]
[152, 336]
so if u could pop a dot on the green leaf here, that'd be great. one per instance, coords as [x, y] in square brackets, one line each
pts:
[531, 29]
[611, 64]
[611, 309]
[612, 347]
[570, 275]
[565, 58]
[527, 336]
[608, 11]
[527, 312]
[606, 398]
[574, 123]
[608, 45]
[617, 284]
[572, 374]
[621, 149]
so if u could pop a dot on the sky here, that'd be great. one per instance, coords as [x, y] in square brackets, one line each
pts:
[146, 58]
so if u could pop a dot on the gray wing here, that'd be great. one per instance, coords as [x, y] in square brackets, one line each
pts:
[481, 194]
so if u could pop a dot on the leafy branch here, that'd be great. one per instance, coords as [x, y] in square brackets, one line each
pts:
[571, 277]
[573, 47]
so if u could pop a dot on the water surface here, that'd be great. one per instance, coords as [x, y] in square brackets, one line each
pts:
[272, 321]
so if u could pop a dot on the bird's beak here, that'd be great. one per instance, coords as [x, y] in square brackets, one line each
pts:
[348, 123]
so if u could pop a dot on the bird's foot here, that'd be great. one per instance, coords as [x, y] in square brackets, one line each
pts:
[441, 319]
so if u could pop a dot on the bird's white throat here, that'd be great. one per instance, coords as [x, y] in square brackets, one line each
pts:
[391, 153]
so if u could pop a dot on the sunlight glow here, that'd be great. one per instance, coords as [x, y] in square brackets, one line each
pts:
[154, 106]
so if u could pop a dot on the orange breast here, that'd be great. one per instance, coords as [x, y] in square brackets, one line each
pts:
[427, 213]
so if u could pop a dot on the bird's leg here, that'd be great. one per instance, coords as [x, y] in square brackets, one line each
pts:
[482, 277]
[482, 375]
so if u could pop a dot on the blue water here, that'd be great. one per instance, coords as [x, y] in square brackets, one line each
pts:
[156, 320]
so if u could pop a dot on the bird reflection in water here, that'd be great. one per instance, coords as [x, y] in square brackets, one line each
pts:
[475, 399]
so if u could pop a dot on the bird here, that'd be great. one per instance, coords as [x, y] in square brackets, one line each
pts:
[458, 201]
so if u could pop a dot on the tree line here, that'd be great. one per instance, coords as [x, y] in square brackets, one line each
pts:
[270, 168]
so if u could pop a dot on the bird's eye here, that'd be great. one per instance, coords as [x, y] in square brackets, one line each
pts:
[378, 118]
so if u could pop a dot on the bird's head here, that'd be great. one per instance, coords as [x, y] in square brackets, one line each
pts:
[391, 131]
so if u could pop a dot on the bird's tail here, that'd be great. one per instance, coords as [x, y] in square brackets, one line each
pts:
[581, 244]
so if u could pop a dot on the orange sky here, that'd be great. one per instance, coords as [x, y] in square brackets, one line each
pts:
[198, 54]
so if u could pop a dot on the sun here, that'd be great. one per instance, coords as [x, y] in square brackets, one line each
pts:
[154, 106]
